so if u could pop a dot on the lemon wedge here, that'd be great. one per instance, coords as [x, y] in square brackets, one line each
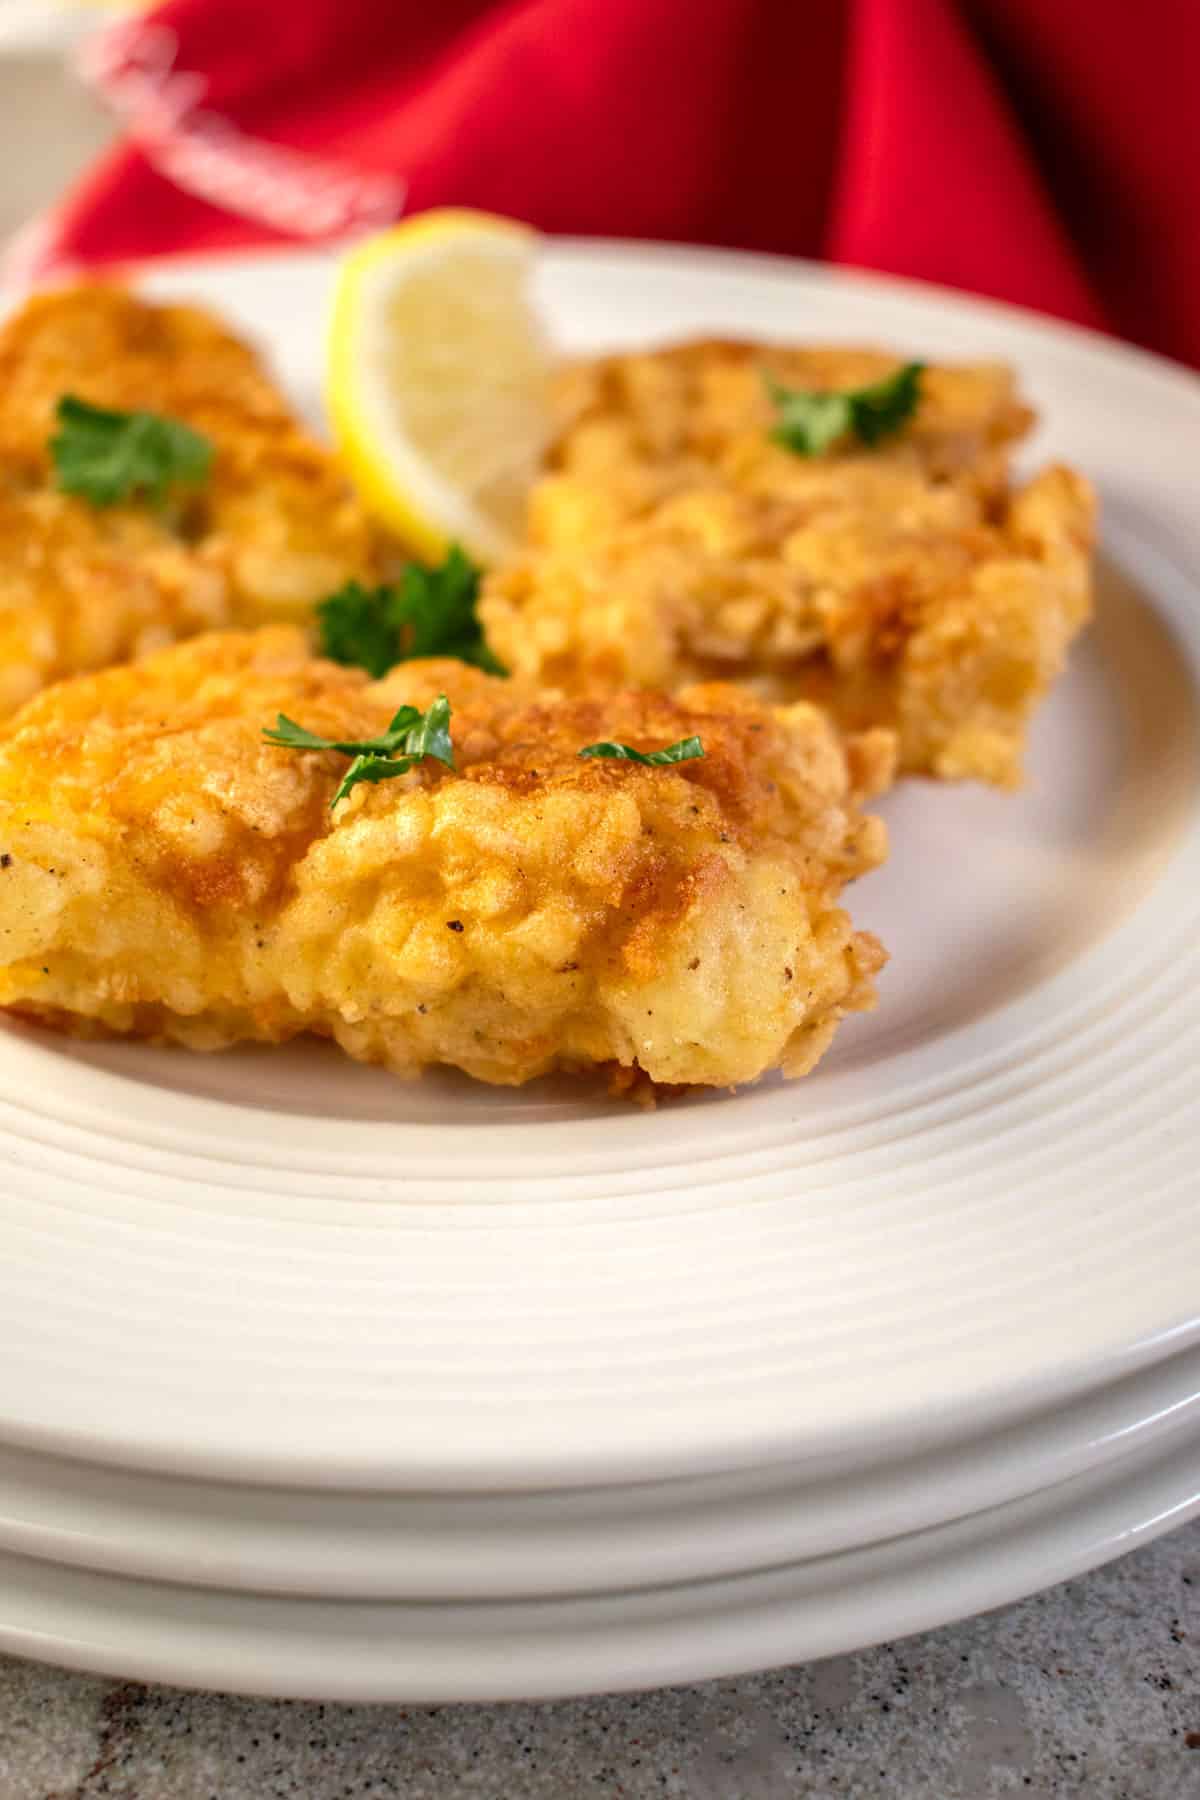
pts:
[437, 379]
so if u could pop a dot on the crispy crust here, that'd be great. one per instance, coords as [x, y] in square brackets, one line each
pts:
[168, 874]
[681, 409]
[904, 586]
[275, 529]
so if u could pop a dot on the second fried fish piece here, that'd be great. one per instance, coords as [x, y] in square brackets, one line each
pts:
[902, 584]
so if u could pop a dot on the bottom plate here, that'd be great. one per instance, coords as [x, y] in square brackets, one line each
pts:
[382, 1651]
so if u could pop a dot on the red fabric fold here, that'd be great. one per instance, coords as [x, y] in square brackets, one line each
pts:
[935, 179]
[1045, 154]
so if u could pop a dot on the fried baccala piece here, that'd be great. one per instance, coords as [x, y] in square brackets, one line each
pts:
[903, 585]
[166, 873]
[649, 422]
[275, 529]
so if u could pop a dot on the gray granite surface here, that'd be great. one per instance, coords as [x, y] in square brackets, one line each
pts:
[1092, 1689]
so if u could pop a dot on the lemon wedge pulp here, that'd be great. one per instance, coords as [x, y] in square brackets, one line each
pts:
[437, 379]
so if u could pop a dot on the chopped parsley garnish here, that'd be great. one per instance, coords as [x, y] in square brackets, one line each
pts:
[430, 612]
[411, 736]
[107, 456]
[684, 751]
[809, 423]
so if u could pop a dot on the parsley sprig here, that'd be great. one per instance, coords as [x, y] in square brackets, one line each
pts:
[684, 751]
[430, 612]
[106, 457]
[411, 736]
[809, 423]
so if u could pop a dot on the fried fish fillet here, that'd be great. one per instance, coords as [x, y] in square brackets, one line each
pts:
[275, 529]
[165, 873]
[649, 422]
[905, 585]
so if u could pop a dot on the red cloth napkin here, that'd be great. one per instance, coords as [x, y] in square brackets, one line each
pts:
[1044, 151]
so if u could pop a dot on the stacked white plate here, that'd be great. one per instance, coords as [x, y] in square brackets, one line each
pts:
[314, 1383]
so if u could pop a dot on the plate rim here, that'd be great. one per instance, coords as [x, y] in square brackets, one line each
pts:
[344, 1545]
[728, 1626]
[582, 244]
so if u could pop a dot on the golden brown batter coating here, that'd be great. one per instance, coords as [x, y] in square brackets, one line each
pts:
[903, 585]
[273, 531]
[678, 412]
[166, 873]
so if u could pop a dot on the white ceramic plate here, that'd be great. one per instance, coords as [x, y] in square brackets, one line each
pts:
[279, 1266]
[452, 1548]
[381, 1651]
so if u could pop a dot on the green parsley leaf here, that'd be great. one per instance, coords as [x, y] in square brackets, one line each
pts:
[684, 751]
[110, 456]
[888, 404]
[359, 626]
[809, 423]
[432, 612]
[414, 734]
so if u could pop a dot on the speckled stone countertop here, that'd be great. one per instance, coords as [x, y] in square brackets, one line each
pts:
[1092, 1689]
